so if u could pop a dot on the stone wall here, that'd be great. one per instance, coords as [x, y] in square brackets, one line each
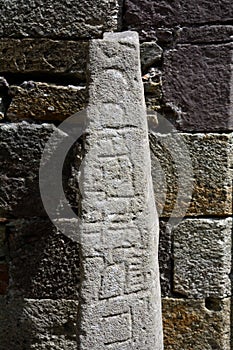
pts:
[196, 97]
[43, 59]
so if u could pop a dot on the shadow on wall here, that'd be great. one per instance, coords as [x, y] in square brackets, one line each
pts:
[37, 324]
[40, 308]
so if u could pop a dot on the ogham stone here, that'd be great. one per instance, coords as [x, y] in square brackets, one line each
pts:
[120, 292]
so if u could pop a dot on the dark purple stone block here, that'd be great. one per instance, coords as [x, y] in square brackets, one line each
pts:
[204, 34]
[148, 16]
[197, 87]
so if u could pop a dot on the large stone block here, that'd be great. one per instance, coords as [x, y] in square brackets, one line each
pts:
[58, 19]
[38, 324]
[151, 17]
[202, 258]
[206, 160]
[43, 263]
[197, 324]
[41, 101]
[44, 56]
[197, 87]
[21, 147]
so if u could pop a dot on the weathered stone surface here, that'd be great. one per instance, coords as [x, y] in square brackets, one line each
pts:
[165, 258]
[41, 101]
[202, 258]
[52, 261]
[44, 56]
[120, 289]
[56, 19]
[151, 17]
[197, 87]
[210, 156]
[197, 324]
[205, 34]
[21, 146]
[38, 324]
[4, 276]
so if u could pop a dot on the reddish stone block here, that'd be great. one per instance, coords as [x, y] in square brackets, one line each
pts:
[150, 17]
[197, 87]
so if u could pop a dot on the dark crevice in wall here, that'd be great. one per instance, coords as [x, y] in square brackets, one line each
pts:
[211, 217]
[56, 78]
[204, 43]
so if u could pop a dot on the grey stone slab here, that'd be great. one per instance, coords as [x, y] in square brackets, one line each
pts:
[38, 324]
[202, 258]
[43, 263]
[56, 19]
[197, 324]
[197, 87]
[21, 147]
[45, 102]
[120, 291]
[151, 18]
[206, 159]
[44, 56]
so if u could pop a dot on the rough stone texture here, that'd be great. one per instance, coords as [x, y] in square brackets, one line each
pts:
[204, 34]
[44, 56]
[38, 324]
[202, 258]
[197, 87]
[51, 258]
[4, 277]
[151, 17]
[197, 324]
[165, 258]
[56, 19]
[41, 101]
[120, 289]
[21, 146]
[211, 161]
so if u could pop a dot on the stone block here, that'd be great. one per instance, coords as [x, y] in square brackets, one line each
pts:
[44, 57]
[21, 147]
[38, 324]
[56, 19]
[45, 102]
[196, 163]
[197, 87]
[43, 263]
[197, 324]
[202, 258]
[204, 34]
[150, 18]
